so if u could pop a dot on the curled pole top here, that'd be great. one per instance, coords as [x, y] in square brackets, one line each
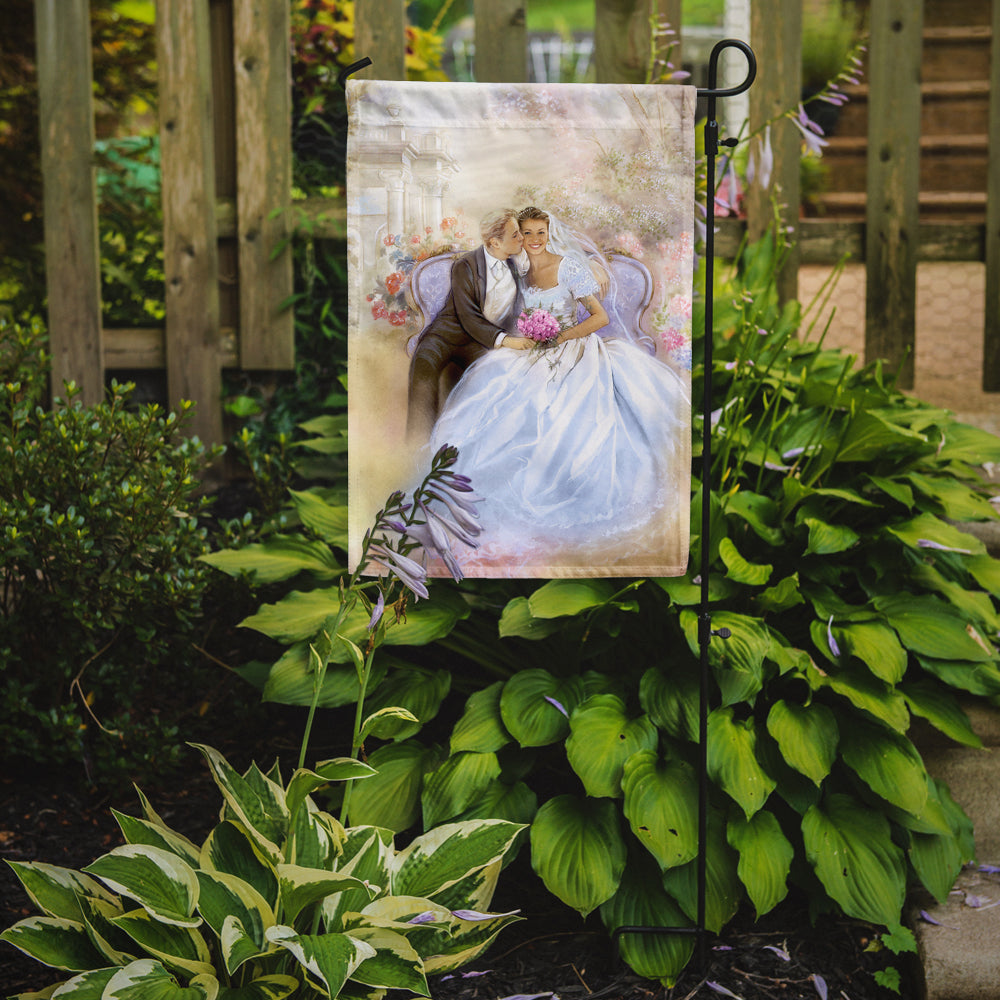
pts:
[712, 91]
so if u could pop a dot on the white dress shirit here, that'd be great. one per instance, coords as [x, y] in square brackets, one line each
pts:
[580, 451]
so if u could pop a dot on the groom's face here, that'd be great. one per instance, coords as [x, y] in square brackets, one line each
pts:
[511, 241]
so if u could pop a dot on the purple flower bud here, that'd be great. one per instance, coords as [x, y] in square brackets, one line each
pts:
[820, 983]
[427, 917]
[834, 648]
[377, 612]
[552, 701]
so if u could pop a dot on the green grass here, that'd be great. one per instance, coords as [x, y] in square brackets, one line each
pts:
[578, 15]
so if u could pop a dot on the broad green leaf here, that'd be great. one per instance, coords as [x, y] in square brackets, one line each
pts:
[976, 678]
[976, 605]
[516, 803]
[456, 784]
[86, 986]
[661, 799]
[225, 897]
[738, 661]
[876, 646]
[327, 520]
[54, 941]
[850, 848]
[765, 858]
[273, 987]
[941, 709]
[887, 762]
[438, 859]
[292, 681]
[866, 692]
[231, 850]
[758, 511]
[931, 628]
[671, 699]
[395, 964]
[828, 539]
[965, 443]
[481, 728]
[739, 569]
[783, 595]
[279, 558]
[684, 592]
[602, 738]
[530, 706]
[807, 736]
[957, 501]
[387, 722]
[559, 598]
[304, 782]
[301, 887]
[986, 571]
[640, 901]
[517, 620]
[331, 959]
[937, 857]
[391, 798]
[732, 760]
[164, 885]
[578, 851]
[177, 947]
[141, 831]
[869, 436]
[56, 891]
[928, 528]
[418, 690]
[147, 979]
[893, 488]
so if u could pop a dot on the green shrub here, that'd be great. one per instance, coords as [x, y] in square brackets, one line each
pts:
[99, 542]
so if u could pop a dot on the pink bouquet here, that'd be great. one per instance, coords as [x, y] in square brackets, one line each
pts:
[538, 325]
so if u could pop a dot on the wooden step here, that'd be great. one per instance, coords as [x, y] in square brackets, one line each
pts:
[956, 206]
[956, 53]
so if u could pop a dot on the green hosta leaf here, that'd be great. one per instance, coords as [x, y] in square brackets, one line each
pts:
[641, 901]
[330, 959]
[225, 897]
[937, 858]
[765, 858]
[738, 569]
[986, 572]
[828, 539]
[869, 436]
[602, 738]
[965, 443]
[732, 760]
[783, 595]
[530, 706]
[941, 709]
[807, 735]
[141, 831]
[391, 798]
[758, 511]
[578, 851]
[147, 979]
[931, 628]
[481, 728]
[325, 519]
[850, 847]
[876, 646]
[558, 598]
[888, 763]
[274, 987]
[291, 679]
[160, 882]
[723, 889]
[957, 501]
[975, 605]
[928, 528]
[976, 678]
[517, 620]
[231, 850]
[683, 592]
[864, 691]
[395, 964]
[739, 660]
[661, 799]
[56, 891]
[893, 488]
[279, 558]
[456, 784]
[388, 722]
[177, 947]
[671, 699]
[54, 941]
[415, 689]
[301, 887]
[438, 859]
[515, 803]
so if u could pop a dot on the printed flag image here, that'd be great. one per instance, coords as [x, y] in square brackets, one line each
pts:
[520, 261]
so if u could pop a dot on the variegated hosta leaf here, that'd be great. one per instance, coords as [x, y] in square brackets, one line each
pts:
[54, 941]
[578, 851]
[177, 947]
[141, 831]
[642, 902]
[661, 805]
[807, 736]
[225, 896]
[417, 690]
[888, 763]
[238, 944]
[116, 947]
[602, 737]
[395, 964]
[732, 760]
[300, 887]
[304, 782]
[456, 784]
[441, 857]
[256, 801]
[56, 891]
[367, 853]
[273, 987]
[315, 838]
[391, 799]
[476, 890]
[765, 858]
[159, 881]
[86, 986]
[147, 979]
[230, 849]
[481, 727]
[467, 940]
[850, 847]
[329, 959]
[535, 706]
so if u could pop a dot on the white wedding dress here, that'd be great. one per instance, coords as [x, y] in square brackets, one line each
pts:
[575, 448]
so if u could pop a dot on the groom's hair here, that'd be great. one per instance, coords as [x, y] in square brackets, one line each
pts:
[492, 226]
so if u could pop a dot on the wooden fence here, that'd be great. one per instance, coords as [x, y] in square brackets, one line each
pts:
[226, 160]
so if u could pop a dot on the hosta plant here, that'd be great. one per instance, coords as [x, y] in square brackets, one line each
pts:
[279, 900]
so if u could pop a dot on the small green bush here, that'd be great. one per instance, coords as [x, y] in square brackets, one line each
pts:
[99, 578]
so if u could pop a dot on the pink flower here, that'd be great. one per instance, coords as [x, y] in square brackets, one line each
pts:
[379, 310]
[538, 325]
[680, 305]
[414, 239]
[428, 230]
[394, 282]
[387, 241]
[397, 318]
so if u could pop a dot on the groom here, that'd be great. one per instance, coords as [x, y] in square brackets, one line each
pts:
[479, 314]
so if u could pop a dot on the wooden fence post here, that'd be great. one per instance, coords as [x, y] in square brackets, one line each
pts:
[72, 255]
[991, 332]
[262, 60]
[190, 251]
[501, 41]
[622, 39]
[380, 34]
[776, 35]
[892, 214]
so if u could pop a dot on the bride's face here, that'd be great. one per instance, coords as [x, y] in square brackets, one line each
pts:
[536, 235]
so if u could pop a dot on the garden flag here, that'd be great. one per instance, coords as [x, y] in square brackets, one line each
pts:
[520, 261]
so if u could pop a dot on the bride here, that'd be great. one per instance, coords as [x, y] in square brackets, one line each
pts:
[578, 444]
